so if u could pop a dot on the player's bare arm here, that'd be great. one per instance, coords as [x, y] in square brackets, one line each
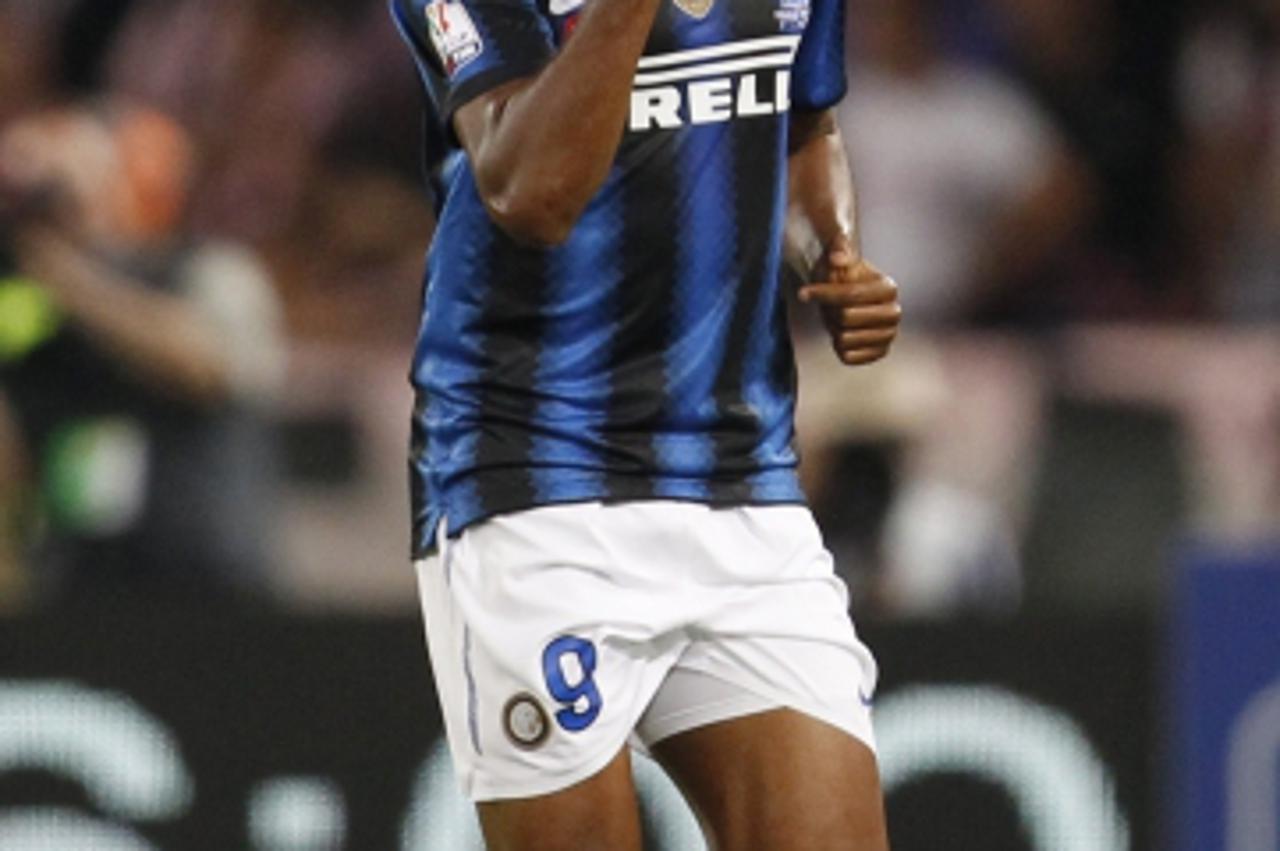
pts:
[859, 303]
[541, 147]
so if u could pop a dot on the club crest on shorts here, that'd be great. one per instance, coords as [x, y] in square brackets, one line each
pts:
[695, 8]
[525, 721]
[453, 34]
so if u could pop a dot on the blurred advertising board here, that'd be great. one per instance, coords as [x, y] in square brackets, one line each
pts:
[1226, 688]
[136, 726]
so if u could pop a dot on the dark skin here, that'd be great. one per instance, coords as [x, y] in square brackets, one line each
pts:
[859, 303]
[779, 781]
[541, 148]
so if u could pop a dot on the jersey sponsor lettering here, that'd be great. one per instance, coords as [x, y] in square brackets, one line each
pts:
[711, 85]
[708, 102]
[454, 35]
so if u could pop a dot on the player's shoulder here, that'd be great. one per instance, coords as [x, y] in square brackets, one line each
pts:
[402, 10]
[409, 15]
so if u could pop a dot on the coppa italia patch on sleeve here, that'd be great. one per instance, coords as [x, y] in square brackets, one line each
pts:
[453, 34]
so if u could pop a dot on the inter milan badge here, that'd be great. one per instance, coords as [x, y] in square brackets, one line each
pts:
[525, 721]
[695, 8]
[453, 34]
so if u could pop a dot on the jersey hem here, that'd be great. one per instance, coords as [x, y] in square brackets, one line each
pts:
[426, 537]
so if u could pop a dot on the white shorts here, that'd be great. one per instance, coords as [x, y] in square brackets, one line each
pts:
[557, 633]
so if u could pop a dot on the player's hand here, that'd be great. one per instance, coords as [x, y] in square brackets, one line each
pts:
[859, 304]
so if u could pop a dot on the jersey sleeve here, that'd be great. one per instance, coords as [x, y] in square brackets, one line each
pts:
[818, 80]
[464, 48]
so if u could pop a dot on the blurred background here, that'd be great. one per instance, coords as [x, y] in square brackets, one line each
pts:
[1057, 503]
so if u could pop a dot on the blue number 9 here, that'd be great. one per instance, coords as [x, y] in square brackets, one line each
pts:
[581, 700]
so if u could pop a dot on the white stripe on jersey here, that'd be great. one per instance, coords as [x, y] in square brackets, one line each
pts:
[787, 43]
[711, 69]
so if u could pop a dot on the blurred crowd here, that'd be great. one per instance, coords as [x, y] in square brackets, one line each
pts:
[1080, 200]
[212, 227]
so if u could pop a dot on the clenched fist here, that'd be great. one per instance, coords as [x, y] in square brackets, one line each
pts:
[859, 304]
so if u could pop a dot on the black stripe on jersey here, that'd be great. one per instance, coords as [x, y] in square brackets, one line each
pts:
[418, 493]
[514, 329]
[643, 315]
[755, 148]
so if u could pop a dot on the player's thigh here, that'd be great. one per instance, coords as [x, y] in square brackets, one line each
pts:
[598, 814]
[779, 781]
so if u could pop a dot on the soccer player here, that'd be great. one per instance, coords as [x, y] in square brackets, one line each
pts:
[610, 539]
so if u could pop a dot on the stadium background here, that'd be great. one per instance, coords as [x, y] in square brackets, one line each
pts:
[1058, 505]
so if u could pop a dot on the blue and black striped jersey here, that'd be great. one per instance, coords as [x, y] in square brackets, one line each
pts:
[647, 357]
